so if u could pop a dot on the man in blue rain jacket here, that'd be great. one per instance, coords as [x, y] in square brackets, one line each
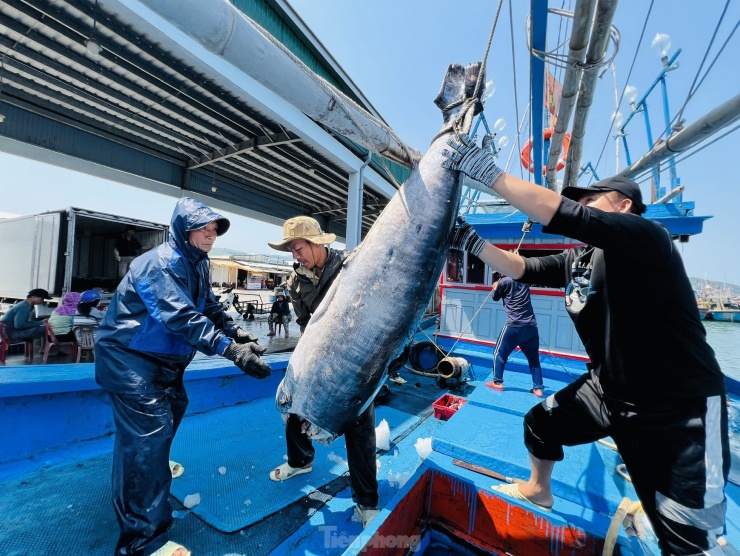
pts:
[163, 311]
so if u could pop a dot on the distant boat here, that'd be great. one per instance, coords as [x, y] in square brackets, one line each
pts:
[720, 309]
[728, 315]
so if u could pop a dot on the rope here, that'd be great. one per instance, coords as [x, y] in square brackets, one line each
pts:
[608, 444]
[488, 48]
[622, 472]
[470, 102]
[560, 60]
[626, 508]
[470, 321]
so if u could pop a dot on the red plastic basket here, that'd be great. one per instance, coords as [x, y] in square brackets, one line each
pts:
[446, 406]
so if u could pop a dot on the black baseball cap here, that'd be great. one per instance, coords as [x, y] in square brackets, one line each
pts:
[615, 183]
[39, 292]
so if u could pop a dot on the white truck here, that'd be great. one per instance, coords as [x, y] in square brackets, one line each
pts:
[65, 250]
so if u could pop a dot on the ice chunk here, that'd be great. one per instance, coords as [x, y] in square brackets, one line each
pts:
[191, 500]
[383, 436]
[423, 447]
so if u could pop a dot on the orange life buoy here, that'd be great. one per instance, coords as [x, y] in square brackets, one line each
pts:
[526, 156]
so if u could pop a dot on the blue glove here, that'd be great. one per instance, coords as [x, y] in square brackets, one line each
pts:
[465, 238]
[471, 160]
[246, 357]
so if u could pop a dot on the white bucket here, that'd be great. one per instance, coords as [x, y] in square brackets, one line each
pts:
[452, 367]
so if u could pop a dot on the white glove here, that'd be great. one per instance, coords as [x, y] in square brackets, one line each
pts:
[471, 160]
[465, 238]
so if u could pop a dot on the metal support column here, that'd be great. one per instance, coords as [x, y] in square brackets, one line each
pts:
[354, 205]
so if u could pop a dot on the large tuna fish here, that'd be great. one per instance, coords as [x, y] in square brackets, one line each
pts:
[376, 303]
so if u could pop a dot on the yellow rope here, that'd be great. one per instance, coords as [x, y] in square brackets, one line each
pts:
[608, 444]
[626, 508]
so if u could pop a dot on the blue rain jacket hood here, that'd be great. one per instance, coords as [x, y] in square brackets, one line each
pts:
[190, 215]
[163, 311]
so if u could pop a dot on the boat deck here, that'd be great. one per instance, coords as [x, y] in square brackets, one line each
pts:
[55, 463]
[56, 493]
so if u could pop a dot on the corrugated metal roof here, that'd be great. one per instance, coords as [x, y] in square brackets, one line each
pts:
[152, 112]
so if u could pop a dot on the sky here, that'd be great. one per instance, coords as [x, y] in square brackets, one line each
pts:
[397, 53]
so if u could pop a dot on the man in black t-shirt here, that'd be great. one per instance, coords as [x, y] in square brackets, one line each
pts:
[665, 404]
[126, 250]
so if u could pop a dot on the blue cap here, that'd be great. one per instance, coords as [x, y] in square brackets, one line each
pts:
[89, 295]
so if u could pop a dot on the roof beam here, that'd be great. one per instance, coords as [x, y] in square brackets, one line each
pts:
[243, 147]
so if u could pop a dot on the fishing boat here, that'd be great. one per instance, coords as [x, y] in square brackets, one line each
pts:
[450, 440]
[720, 313]
[717, 304]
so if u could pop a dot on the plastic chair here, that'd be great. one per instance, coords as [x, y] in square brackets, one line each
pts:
[50, 339]
[279, 328]
[85, 342]
[6, 341]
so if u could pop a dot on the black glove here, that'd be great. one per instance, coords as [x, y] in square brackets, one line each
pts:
[465, 238]
[471, 160]
[246, 357]
[244, 337]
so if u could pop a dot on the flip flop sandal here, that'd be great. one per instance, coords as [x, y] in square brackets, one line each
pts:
[512, 491]
[366, 515]
[284, 472]
[169, 549]
[176, 469]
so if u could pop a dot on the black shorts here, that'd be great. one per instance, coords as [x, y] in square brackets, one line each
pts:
[677, 455]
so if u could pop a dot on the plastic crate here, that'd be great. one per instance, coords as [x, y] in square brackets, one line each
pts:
[446, 406]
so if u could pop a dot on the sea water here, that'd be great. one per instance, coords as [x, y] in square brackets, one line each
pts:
[724, 337]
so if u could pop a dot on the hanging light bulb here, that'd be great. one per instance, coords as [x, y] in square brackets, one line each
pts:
[502, 142]
[489, 90]
[93, 48]
[499, 125]
[662, 43]
[91, 44]
[630, 93]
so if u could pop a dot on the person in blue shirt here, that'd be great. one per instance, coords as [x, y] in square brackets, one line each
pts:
[19, 318]
[163, 311]
[520, 330]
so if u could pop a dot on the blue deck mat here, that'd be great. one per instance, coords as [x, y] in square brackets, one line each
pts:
[334, 526]
[476, 433]
[245, 443]
[516, 397]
